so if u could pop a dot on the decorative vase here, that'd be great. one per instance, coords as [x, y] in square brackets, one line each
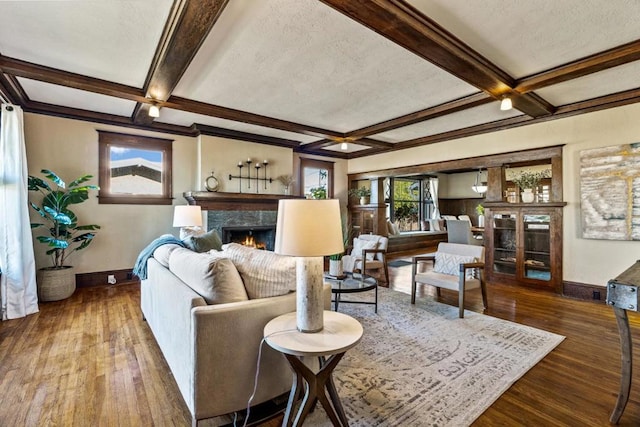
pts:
[286, 190]
[527, 195]
[364, 200]
[56, 284]
[335, 268]
[481, 221]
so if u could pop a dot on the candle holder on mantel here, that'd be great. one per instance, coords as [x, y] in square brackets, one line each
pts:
[257, 166]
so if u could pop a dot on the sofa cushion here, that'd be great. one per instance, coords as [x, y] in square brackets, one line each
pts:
[216, 279]
[450, 264]
[203, 242]
[265, 274]
[162, 253]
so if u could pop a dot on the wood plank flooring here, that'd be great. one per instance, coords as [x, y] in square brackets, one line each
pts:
[91, 360]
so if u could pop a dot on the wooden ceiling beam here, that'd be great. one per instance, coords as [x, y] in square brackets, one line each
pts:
[470, 101]
[11, 90]
[198, 107]
[187, 27]
[409, 28]
[245, 136]
[591, 64]
[110, 119]
[54, 76]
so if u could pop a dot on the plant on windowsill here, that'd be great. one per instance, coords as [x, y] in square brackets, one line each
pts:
[318, 192]
[65, 235]
[363, 193]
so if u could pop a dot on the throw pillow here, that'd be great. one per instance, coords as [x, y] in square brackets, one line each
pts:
[204, 242]
[163, 252]
[265, 274]
[214, 278]
[360, 244]
[450, 264]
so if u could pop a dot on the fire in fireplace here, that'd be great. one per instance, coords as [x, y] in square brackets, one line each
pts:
[260, 237]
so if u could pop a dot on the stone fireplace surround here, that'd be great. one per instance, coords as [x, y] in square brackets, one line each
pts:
[231, 213]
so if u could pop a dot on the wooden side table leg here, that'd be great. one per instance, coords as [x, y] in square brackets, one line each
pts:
[332, 407]
[626, 361]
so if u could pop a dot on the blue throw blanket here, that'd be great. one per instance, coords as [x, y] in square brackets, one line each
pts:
[140, 268]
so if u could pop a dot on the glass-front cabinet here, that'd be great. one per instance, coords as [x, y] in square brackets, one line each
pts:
[525, 246]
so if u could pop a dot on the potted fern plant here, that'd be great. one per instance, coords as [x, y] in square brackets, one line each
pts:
[65, 236]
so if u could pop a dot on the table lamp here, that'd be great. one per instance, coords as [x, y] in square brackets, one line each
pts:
[189, 219]
[309, 230]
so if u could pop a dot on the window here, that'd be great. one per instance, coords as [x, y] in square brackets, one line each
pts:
[410, 202]
[134, 169]
[316, 178]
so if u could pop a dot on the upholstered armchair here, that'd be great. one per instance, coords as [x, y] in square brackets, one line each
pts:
[459, 231]
[456, 267]
[369, 252]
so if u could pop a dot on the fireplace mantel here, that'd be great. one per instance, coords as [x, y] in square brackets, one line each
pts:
[217, 201]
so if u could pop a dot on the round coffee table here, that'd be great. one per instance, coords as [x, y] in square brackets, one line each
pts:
[349, 284]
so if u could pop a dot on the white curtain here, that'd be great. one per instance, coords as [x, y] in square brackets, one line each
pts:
[18, 280]
[433, 189]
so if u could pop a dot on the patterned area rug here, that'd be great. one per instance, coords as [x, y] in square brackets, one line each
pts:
[423, 366]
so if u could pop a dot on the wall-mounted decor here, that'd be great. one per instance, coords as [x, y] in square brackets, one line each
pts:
[248, 178]
[609, 190]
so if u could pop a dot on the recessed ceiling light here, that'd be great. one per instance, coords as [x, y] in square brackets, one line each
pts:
[344, 146]
[506, 104]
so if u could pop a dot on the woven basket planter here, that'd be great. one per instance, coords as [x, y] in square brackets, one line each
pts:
[56, 284]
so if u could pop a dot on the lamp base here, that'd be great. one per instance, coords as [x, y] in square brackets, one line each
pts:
[190, 231]
[309, 296]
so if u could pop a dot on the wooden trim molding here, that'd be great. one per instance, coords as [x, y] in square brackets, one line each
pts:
[583, 291]
[106, 140]
[100, 278]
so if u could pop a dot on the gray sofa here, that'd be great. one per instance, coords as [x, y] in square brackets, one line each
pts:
[211, 345]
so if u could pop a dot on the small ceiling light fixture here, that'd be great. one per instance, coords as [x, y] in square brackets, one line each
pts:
[154, 111]
[506, 104]
[344, 146]
[479, 186]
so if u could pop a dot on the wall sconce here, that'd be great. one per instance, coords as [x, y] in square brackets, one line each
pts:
[479, 186]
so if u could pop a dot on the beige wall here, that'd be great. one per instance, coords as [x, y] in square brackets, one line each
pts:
[585, 261]
[70, 148]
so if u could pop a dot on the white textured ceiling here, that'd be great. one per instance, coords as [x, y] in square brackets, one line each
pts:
[294, 59]
[75, 98]
[462, 119]
[302, 61]
[110, 40]
[525, 37]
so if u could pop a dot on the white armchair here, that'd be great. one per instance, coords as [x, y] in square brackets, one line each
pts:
[456, 267]
[369, 252]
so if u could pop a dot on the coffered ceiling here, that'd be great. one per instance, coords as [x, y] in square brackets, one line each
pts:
[311, 74]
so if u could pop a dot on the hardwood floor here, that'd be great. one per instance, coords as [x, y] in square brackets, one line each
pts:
[91, 360]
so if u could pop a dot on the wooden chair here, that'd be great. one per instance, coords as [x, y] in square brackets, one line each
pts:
[369, 252]
[456, 267]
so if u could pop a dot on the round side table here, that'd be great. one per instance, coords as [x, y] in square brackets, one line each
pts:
[340, 333]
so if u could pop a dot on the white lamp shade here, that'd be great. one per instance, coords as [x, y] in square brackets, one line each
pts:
[309, 228]
[187, 216]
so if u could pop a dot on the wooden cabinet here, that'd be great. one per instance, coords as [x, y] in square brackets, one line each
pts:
[368, 219]
[524, 244]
